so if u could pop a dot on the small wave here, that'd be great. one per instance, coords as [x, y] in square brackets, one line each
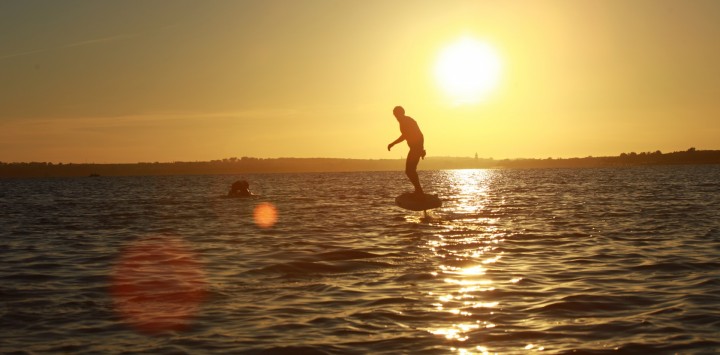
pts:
[300, 268]
[414, 277]
[591, 303]
[293, 350]
[392, 300]
[29, 277]
[344, 255]
[660, 347]
[678, 266]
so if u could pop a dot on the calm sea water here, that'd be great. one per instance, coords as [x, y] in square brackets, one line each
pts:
[516, 261]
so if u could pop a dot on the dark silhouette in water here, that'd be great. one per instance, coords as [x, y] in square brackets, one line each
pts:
[410, 132]
[240, 188]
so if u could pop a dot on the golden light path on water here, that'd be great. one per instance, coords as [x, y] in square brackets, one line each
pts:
[467, 253]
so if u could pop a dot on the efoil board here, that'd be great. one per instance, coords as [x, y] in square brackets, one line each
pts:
[418, 202]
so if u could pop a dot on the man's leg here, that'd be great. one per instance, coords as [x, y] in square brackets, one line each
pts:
[411, 170]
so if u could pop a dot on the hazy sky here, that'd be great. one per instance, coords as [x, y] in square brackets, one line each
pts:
[129, 81]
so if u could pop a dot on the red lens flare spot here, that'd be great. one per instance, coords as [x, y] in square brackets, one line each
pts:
[265, 215]
[158, 285]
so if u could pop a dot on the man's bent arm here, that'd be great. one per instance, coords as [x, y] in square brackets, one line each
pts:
[400, 139]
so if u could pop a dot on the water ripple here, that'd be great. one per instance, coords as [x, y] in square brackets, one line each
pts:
[559, 260]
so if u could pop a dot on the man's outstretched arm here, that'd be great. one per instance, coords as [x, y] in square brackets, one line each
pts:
[400, 139]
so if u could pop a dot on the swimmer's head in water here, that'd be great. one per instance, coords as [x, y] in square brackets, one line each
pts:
[240, 184]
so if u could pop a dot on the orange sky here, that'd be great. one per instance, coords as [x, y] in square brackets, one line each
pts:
[119, 81]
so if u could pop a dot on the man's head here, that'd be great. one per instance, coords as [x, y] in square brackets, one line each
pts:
[240, 185]
[398, 111]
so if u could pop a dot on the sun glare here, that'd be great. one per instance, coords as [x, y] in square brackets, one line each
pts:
[468, 70]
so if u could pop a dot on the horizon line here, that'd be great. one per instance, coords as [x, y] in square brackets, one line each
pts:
[693, 149]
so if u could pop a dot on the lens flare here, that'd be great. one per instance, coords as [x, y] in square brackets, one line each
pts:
[158, 284]
[265, 215]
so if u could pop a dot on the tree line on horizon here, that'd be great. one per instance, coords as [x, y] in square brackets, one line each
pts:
[243, 165]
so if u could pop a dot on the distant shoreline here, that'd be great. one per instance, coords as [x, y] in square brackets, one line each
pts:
[247, 165]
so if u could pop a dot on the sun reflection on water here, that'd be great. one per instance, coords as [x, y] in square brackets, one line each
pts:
[460, 301]
[467, 255]
[472, 189]
[477, 350]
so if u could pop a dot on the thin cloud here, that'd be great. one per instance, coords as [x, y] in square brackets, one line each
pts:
[163, 117]
[100, 40]
[20, 54]
[71, 45]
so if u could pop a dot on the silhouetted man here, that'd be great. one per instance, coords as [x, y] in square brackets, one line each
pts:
[410, 132]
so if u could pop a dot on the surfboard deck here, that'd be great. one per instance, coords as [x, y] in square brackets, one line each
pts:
[417, 202]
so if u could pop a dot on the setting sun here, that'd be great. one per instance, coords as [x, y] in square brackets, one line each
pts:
[468, 70]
